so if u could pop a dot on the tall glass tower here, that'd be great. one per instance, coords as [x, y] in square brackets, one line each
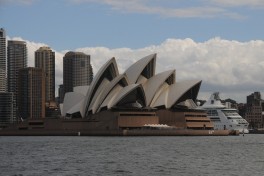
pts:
[31, 93]
[45, 59]
[2, 60]
[6, 98]
[16, 60]
[77, 70]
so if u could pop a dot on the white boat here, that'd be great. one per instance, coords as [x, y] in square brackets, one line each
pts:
[223, 117]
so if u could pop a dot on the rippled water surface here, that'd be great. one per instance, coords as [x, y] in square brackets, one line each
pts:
[228, 155]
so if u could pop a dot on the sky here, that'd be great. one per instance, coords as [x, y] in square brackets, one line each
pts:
[217, 41]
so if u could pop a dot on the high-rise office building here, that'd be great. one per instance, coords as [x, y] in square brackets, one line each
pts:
[16, 60]
[6, 98]
[77, 70]
[254, 110]
[31, 93]
[45, 59]
[2, 60]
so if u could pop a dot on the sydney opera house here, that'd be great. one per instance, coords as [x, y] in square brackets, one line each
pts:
[135, 99]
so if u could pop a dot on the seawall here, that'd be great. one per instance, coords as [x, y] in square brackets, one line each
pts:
[139, 132]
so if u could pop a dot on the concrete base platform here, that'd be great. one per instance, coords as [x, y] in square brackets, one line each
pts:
[139, 132]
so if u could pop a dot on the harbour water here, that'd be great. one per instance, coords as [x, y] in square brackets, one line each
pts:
[114, 156]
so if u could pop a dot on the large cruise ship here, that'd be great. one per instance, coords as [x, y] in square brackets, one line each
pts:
[223, 117]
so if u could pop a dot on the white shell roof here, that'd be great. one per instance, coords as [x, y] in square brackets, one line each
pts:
[121, 79]
[70, 100]
[134, 71]
[124, 92]
[153, 84]
[174, 92]
[110, 66]
[177, 90]
[161, 90]
[110, 98]
[81, 89]
[75, 108]
[98, 94]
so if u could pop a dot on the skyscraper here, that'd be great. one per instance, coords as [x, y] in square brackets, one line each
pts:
[77, 70]
[31, 93]
[2, 60]
[6, 98]
[16, 59]
[254, 110]
[45, 59]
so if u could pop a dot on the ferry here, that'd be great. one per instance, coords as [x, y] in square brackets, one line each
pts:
[224, 118]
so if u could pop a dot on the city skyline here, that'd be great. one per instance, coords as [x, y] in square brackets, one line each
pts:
[224, 47]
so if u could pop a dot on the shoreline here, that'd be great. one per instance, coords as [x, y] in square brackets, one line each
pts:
[138, 132]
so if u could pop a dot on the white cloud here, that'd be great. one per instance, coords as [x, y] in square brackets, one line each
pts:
[231, 67]
[200, 9]
[238, 3]
[25, 2]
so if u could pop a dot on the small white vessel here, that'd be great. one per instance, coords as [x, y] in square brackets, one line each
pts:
[222, 117]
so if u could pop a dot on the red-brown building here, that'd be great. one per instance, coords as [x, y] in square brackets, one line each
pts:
[31, 93]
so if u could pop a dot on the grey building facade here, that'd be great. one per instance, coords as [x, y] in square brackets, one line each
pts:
[77, 70]
[16, 60]
[3, 86]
